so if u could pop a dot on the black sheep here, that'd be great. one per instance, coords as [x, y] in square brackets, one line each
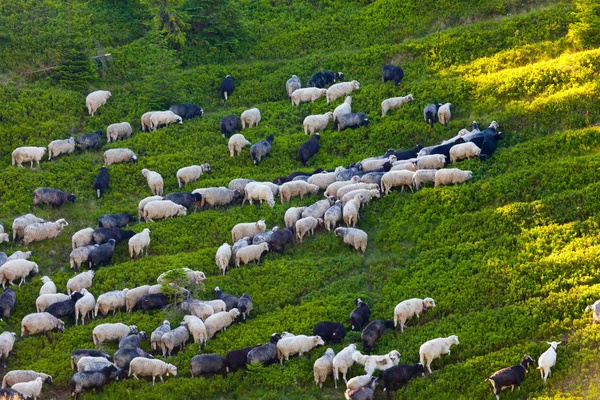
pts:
[330, 332]
[101, 181]
[187, 111]
[260, 150]
[236, 359]
[227, 87]
[372, 177]
[124, 356]
[153, 301]
[103, 235]
[102, 254]
[280, 238]
[283, 179]
[399, 375]
[392, 73]
[404, 154]
[309, 149]
[208, 364]
[510, 376]
[444, 149]
[51, 197]
[115, 220]
[373, 331]
[8, 300]
[94, 379]
[360, 315]
[90, 140]
[324, 78]
[352, 120]
[265, 354]
[229, 124]
[230, 301]
[384, 168]
[65, 308]
[431, 113]
[185, 199]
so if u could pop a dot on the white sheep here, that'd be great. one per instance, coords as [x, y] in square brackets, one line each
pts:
[42, 322]
[355, 186]
[298, 344]
[434, 348]
[83, 361]
[155, 181]
[318, 209]
[115, 156]
[201, 309]
[133, 296]
[44, 301]
[223, 257]
[444, 114]
[423, 176]
[368, 194]
[307, 225]
[7, 342]
[292, 215]
[162, 209]
[305, 95]
[27, 154]
[358, 381]
[159, 118]
[110, 301]
[258, 191]
[595, 311]
[157, 334]
[194, 277]
[23, 375]
[373, 164]
[323, 366]
[82, 237]
[324, 179]
[84, 306]
[342, 362]
[220, 321]
[432, 161]
[145, 120]
[138, 243]
[460, 134]
[177, 337]
[373, 363]
[296, 188]
[405, 165]
[393, 103]
[333, 216]
[548, 360]
[30, 389]
[15, 269]
[48, 287]
[143, 203]
[122, 130]
[249, 229]
[189, 174]
[58, 147]
[397, 178]
[150, 367]
[236, 143]
[451, 176]
[220, 196]
[317, 123]
[80, 256]
[250, 118]
[96, 99]
[250, 253]
[82, 281]
[333, 188]
[3, 237]
[341, 89]
[407, 309]
[196, 328]
[351, 210]
[463, 151]
[43, 230]
[111, 332]
[19, 255]
[344, 108]
[19, 224]
[354, 237]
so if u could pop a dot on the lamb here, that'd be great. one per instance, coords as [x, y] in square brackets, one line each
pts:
[433, 161]
[323, 367]
[546, 361]
[352, 120]
[7, 342]
[187, 110]
[90, 140]
[265, 354]
[435, 348]
[595, 311]
[229, 124]
[147, 367]
[431, 113]
[42, 322]
[296, 188]
[451, 176]
[227, 87]
[208, 364]
[15, 269]
[292, 215]
[333, 216]
[351, 210]
[96, 99]
[110, 332]
[317, 123]
[220, 196]
[220, 321]
[407, 309]
[82, 237]
[52, 197]
[340, 90]
[84, 361]
[196, 328]
[194, 277]
[510, 376]
[422, 176]
[332, 332]
[342, 362]
[157, 334]
[444, 114]
[20, 375]
[324, 179]
[189, 174]
[44, 301]
[258, 191]
[20, 223]
[177, 337]
[373, 363]
[307, 225]
[344, 108]
[48, 286]
[292, 84]
[133, 296]
[298, 344]
[8, 300]
[111, 301]
[115, 156]
[223, 257]
[393, 103]
[260, 150]
[464, 151]
[243, 242]
[324, 78]
[247, 229]
[305, 95]
[399, 375]
[245, 305]
[162, 210]
[397, 178]
[79, 282]
[391, 72]
[373, 331]
[28, 154]
[143, 203]
[236, 143]
[122, 130]
[368, 195]
[250, 118]
[354, 237]
[145, 121]
[30, 389]
[84, 306]
[161, 118]
[115, 220]
[138, 243]
[101, 254]
[93, 379]
[58, 147]
[78, 354]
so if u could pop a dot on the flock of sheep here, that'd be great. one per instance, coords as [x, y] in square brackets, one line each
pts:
[346, 189]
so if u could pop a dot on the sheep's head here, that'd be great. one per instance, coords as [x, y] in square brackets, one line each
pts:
[234, 313]
[348, 100]
[60, 326]
[134, 158]
[428, 303]
[453, 339]
[45, 279]
[355, 84]
[178, 119]
[493, 124]
[71, 197]
[145, 173]
[329, 352]
[261, 225]
[339, 232]
[171, 369]
[133, 329]
[324, 92]
[329, 115]
[206, 168]
[318, 341]
[409, 97]
[181, 210]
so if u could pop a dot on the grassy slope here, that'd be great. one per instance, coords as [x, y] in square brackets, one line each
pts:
[509, 257]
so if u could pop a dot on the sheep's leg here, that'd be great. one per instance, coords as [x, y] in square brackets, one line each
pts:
[161, 379]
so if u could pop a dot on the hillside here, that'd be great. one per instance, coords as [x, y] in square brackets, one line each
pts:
[510, 257]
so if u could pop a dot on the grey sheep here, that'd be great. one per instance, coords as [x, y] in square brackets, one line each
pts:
[265, 354]
[261, 149]
[207, 364]
[352, 120]
[51, 197]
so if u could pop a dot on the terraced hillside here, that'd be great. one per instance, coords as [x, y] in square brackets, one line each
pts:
[509, 257]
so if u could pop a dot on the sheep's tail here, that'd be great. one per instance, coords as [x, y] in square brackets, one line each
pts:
[98, 192]
[422, 359]
[4, 382]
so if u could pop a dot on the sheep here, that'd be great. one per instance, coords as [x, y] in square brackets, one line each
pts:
[399, 375]
[393, 73]
[260, 150]
[220, 321]
[373, 331]
[162, 210]
[309, 149]
[298, 344]
[432, 161]
[147, 367]
[84, 361]
[143, 203]
[333, 332]
[443, 149]
[78, 354]
[27, 154]
[318, 209]
[344, 108]
[93, 379]
[293, 175]
[317, 123]
[82, 237]
[193, 277]
[227, 87]
[186, 199]
[451, 176]
[444, 114]
[177, 337]
[190, 174]
[133, 341]
[65, 308]
[52, 197]
[292, 215]
[236, 143]
[208, 364]
[342, 362]
[196, 328]
[250, 253]
[464, 151]
[81, 281]
[15, 269]
[368, 195]
[138, 243]
[223, 257]
[546, 361]
[115, 156]
[7, 342]
[122, 130]
[229, 124]
[245, 305]
[90, 140]
[111, 301]
[239, 184]
[42, 322]
[3, 237]
[404, 166]
[324, 78]
[296, 188]
[435, 348]
[373, 363]
[110, 332]
[145, 121]
[340, 90]
[307, 94]
[30, 389]
[133, 296]
[19, 255]
[265, 354]
[229, 300]
[44, 301]
[307, 225]
[278, 239]
[155, 181]
[23, 375]
[58, 147]
[352, 120]
[96, 99]
[291, 85]
[359, 382]
[393, 103]
[422, 176]
[371, 165]
[48, 286]
[220, 196]
[407, 309]
[247, 229]
[8, 300]
[258, 191]
[243, 242]
[236, 359]
[160, 118]
[323, 366]
[157, 334]
[333, 216]
[431, 113]
[351, 210]
[84, 306]
[115, 220]
[20, 223]
[353, 237]
[324, 179]
[250, 118]
[187, 110]
[397, 178]
[510, 376]
[595, 308]
[200, 309]
[460, 134]
[154, 301]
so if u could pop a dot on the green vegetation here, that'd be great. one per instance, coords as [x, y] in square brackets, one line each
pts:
[509, 257]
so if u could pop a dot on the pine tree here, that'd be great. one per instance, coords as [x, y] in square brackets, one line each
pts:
[76, 68]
